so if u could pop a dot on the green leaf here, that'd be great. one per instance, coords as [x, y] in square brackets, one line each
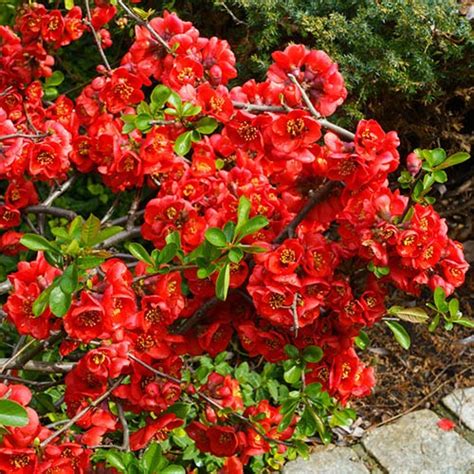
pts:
[252, 248]
[128, 128]
[55, 79]
[454, 308]
[59, 302]
[400, 333]
[252, 226]
[140, 253]
[12, 414]
[50, 93]
[175, 100]
[222, 283]
[108, 232]
[168, 252]
[90, 231]
[89, 261]
[440, 299]
[216, 237]
[116, 459]
[153, 460]
[455, 159]
[68, 4]
[341, 418]
[243, 212]
[287, 419]
[412, 315]
[312, 354]
[159, 96]
[307, 423]
[438, 155]
[362, 341]
[206, 125]
[291, 351]
[189, 110]
[235, 255]
[434, 324]
[41, 303]
[173, 469]
[54, 258]
[440, 176]
[69, 279]
[229, 231]
[313, 390]
[174, 238]
[142, 122]
[293, 374]
[468, 323]
[183, 143]
[37, 243]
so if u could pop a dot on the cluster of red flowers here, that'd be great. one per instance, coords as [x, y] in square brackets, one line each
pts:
[303, 290]
[17, 448]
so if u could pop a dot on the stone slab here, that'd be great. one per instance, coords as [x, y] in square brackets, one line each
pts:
[415, 444]
[461, 403]
[330, 460]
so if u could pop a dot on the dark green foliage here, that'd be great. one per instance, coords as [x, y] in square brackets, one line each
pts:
[401, 59]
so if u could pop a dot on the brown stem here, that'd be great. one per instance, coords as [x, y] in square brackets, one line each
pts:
[88, 22]
[79, 415]
[141, 22]
[126, 432]
[23, 135]
[53, 211]
[315, 197]
[120, 237]
[208, 400]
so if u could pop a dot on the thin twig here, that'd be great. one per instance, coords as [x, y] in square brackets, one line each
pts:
[294, 312]
[123, 219]
[23, 135]
[283, 109]
[132, 212]
[5, 287]
[88, 22]
[15, 356]
[323, 122]
[208, 400]
[423, 400]
[315, 197]
[142, 22]
[185, 325]
[53, 211]
[111, 210]
[120, 237]
[60, 191]
[41, 366]
[126, 432]
[32, 383]
[79, 415]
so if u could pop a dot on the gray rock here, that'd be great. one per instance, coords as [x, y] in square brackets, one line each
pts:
[461, 402]
[415, 444]
[329, 460]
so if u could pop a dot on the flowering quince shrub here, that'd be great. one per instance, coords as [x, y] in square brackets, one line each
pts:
[222, 332]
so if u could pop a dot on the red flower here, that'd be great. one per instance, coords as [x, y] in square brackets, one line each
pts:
[223, 440]
[87, 319]
[157, 429]
[292, 134]
[198, 433]
[185, 71]
[122, 90]
[18, 461]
